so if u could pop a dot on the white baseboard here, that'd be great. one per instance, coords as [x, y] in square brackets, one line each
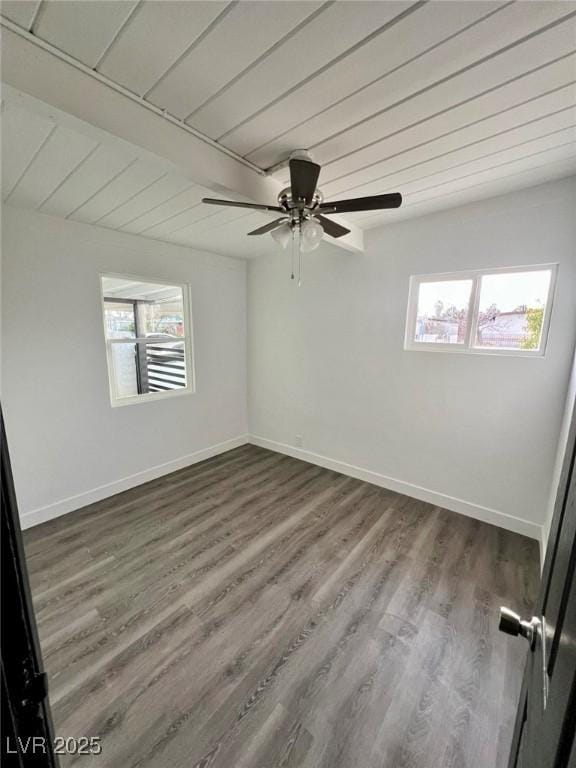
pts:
[62, 507]
[485, 514]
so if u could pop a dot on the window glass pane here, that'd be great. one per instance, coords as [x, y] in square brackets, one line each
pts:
[163, 365]
[146, 367]
[136, 308]
[163, 317]
[119, 319]
[442, 312]
[511, 310]
[123, 357]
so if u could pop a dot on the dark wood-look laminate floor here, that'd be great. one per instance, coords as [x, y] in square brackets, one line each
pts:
[255, 611]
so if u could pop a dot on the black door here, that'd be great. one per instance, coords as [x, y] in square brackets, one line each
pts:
[546, 719]
[26, 725]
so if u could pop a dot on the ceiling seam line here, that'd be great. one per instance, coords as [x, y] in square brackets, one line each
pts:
[294, 31]
[222, 224]
[491, 181]
[68, 175]
[382, 77]
[498, 165]
[448, 109]
[490, 168]
[135, 9]
[185, 226]
[453, 130]
[482, 157]
[205, 249]
[188, 226]
[134, 195]
[483, 183]
[413, 206]
[158, 205]
[467, 146]
[462, 128]
[371, 226]
[209, 229]
[104, 80]
[211, 26]
[102, 187]
[28, 165]
[35, 16]
[448, 78]
[172, 216]
[471, 187]
[349, 51]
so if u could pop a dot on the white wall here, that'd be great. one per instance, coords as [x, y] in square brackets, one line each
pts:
[478, 434]
[475, 433]
[68, 445]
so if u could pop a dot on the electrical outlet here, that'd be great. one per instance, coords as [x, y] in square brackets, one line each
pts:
[298, 441]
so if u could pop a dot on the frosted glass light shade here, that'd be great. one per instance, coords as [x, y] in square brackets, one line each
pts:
[282, 235]
[311, 235]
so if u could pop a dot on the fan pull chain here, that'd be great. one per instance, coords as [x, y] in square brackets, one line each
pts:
[292, 254]
[300, 256]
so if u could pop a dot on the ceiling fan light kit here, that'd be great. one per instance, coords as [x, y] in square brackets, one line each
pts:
[282, 234]
[311, 234]
[304, 212]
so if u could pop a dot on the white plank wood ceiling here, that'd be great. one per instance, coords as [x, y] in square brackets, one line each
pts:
[445, 102]
[60, 166]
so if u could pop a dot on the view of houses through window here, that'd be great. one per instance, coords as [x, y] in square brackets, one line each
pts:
[145, 327]
[443, 311]
[500, 310]
[511, 309]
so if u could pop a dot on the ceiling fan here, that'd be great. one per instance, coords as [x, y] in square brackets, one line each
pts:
[302, 202]
[304, 212]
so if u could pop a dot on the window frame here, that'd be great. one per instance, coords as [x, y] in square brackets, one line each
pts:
[468, 346]
[115, 399]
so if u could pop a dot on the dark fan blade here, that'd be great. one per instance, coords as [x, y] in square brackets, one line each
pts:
[303, 179]
[234, 204]
[331, 227]
[374, 203]
[268, 227]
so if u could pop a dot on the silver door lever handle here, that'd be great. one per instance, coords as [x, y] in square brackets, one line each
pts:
[512, 624]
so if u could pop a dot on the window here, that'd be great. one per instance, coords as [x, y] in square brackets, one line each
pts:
[148, 334]
[500, 311]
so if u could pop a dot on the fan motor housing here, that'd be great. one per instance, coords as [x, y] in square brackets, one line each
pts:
[285, 200]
